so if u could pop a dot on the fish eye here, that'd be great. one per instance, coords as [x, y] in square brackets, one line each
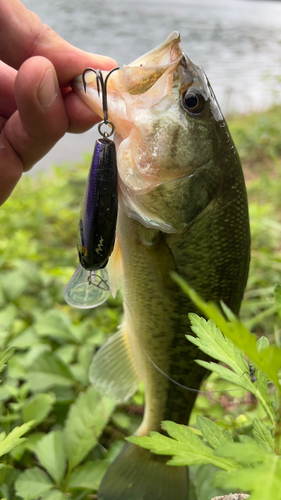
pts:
[193, 101]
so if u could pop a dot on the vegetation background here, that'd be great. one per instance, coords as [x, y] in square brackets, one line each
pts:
[57, 434]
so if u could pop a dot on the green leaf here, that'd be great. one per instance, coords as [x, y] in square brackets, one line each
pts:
[15, 368]
[262, 435]
[55, 324]
[211, 341]
[54, 495]
[32, 484]
[86, 419]
[121, 420]
[80, 374]
[202, 476]
[263, 482]
[7, 443]
[213, 433]
[4, 358]
[67, 352]
[88, 475]
[37, 408]
[7, 317]
[261, 393]
[33, 353]
[244, 453]
[49, 371]
[29, 444]
[26, 339]
[268, 360]
[14, 284]
[7, 479]
[185, 447]
[262, 343]
[51, 453]
[227, 374]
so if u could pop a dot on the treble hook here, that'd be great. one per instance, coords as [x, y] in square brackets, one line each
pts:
[101, 86]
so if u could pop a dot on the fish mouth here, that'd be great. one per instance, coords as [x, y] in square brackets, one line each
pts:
[146, 110]
[167, 52]
[139, 76]
[130, 82]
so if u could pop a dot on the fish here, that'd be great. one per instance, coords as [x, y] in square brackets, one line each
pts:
[182, 209]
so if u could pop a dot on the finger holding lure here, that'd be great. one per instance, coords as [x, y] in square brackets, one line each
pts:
[89, 285]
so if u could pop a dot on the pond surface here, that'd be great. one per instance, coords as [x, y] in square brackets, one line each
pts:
[237, 42]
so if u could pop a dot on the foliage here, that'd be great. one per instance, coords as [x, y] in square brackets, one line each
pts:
[64, 450]
[253, 464]
[45, 394]
[267, 359]
[47, 409]
[257, 137]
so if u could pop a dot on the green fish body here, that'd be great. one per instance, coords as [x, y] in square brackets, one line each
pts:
[182, 208]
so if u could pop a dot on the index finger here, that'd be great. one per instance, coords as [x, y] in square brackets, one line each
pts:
[23, 35]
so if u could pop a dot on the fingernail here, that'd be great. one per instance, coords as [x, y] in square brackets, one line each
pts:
[47, 91]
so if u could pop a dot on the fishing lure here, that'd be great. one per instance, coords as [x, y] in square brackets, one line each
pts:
[89, 285]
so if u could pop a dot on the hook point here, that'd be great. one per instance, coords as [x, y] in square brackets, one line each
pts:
[101, 86]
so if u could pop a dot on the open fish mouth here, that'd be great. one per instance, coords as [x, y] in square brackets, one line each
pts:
[169, 51]
[131, 81]
[165, 116]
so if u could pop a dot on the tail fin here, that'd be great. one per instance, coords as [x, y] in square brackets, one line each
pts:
[138, 474]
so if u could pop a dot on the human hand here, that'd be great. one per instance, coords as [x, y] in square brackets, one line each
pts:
[37, 104]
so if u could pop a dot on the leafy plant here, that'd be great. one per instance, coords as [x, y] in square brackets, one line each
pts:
[254, 463]
[45, 394]
[60, 452]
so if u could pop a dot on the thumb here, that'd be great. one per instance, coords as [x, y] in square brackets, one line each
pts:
[41, 119]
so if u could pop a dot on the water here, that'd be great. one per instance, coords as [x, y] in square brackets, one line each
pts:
[237, 42]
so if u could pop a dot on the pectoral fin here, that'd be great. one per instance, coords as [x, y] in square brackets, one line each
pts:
[159, 256]
[115, 268]
[113, 371]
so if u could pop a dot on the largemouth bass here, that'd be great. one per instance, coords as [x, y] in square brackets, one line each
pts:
[183, 208]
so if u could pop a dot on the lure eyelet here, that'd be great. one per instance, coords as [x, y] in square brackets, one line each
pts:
[106, 134]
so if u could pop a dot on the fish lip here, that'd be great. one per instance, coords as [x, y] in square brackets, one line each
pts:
[129, 80]
[141, 75]
[155, 56]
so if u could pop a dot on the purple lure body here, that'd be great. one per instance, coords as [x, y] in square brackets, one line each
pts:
[97, 225]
